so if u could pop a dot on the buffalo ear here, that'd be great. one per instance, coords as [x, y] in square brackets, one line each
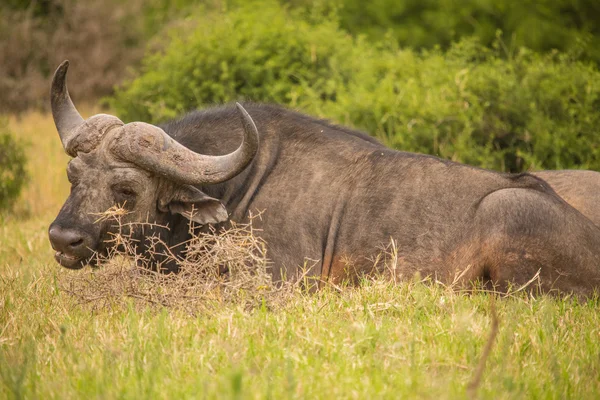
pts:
[195, 206]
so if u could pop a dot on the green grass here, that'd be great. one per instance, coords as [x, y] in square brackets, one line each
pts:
[377, 341]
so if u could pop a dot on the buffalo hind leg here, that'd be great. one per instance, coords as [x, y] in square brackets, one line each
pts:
[522, 232]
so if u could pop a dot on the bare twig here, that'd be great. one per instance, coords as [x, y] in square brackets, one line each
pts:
[476, 381]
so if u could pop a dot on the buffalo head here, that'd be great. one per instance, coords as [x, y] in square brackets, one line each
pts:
[137, 166]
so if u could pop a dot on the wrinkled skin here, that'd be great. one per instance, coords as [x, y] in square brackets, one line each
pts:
[100, 181]
[332, 199]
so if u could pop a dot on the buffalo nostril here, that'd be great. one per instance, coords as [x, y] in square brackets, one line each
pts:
[77, 243]
[66, 240]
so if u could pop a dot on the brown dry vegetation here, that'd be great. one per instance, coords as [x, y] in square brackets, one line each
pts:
[218, 268]
[100, 37]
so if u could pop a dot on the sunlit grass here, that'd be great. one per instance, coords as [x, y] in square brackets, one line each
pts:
[46, 164]
[411, 340]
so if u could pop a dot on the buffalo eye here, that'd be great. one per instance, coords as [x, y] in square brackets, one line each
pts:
[124, 193]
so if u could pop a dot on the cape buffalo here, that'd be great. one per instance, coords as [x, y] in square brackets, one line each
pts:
[329, 197]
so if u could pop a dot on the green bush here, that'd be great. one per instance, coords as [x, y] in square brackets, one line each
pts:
[474, 106]
[262, 54]
[541, 25]
[470, 104]
[12, 167]
[104, 38]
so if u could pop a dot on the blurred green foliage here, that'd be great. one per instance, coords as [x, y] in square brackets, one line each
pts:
[497, 108]
[13, 175]
[36, 7]
[541, 25]
[264, 54]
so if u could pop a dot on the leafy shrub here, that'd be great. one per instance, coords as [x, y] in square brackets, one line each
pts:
[12, 167]
[470, 104]
[256, 53]
[474, 106]
[104, 38]
[541, 25]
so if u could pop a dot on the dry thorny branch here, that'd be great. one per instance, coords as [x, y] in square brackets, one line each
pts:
[224, 266]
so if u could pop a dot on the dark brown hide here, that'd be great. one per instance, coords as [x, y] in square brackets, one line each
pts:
[330, 193]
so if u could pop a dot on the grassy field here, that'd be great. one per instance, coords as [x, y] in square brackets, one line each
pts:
[377, 341]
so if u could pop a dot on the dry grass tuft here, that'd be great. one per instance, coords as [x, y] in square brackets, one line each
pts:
[229, 266]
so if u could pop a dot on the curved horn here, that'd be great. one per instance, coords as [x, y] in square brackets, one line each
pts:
[151, 148]
[66, 117]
